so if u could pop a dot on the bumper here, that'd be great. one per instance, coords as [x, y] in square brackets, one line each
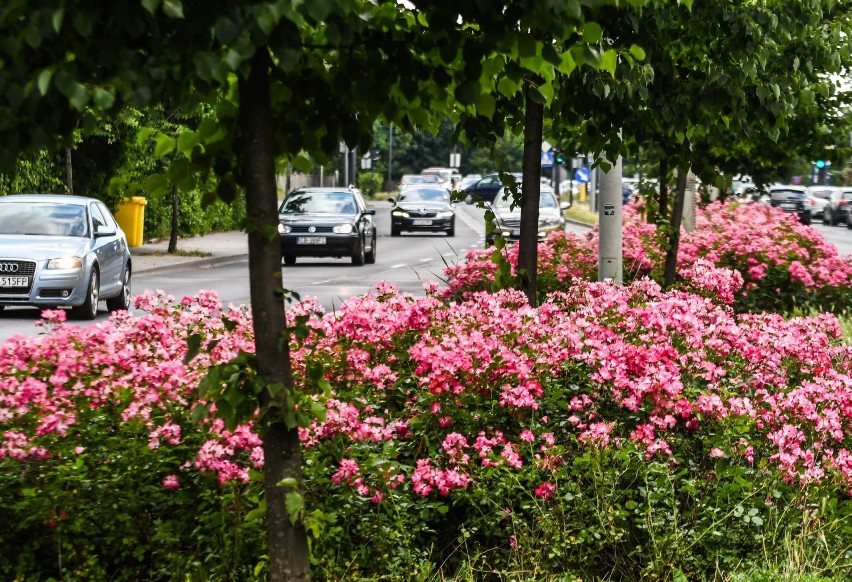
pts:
[433, 224]
[60, 288]
[324, 245]
[513, 233]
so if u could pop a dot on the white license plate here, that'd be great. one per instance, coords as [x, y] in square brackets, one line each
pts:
[421, 222]
[310, 240]
[14, 281]
[787, 206]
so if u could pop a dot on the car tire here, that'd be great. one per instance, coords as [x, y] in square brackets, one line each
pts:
[849, 222]
[358, 256]
[452, 231]
[89, 309]
[371, 256]
[121, 302]
[395, 231]
[290, 260]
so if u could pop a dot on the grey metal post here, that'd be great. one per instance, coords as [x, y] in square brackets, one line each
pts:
[345, 151]
[592, 186]
[390, 156]
[610, 256]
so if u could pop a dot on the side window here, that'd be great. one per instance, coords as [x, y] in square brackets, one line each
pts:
[98, 219]
[106, 215]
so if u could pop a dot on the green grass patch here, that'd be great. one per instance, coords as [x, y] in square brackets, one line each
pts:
[180, 253]
[580, 212]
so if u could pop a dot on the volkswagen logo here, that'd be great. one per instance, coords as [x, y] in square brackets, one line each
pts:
[9, 267]
[312, 229]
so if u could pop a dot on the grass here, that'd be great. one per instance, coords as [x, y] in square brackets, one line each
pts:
[580, 212]
[180, 253]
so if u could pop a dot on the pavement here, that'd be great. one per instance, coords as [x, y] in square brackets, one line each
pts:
[198, 251]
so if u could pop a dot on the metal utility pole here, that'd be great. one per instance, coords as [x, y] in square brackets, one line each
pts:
[610, 256]
[390, 156]
[344, 149]
[593, 186]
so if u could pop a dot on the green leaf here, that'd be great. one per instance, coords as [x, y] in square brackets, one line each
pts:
[104, 99]
[608, 61]
[186, 142]
[200, 412]
[507, 87]
[164, 145]
[294, 503]
[485, 105]
[637, 52]
[57, 19]
[79, 97]
[173, 8]
[468, 92]
[193, 347]
[288, 482]
[592, 33]
[536, 96]
[302, 163]
[144, 134]
[151, 5]
[44, 81]
[806, 97]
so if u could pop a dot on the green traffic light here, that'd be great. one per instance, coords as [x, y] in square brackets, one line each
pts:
[820, 164]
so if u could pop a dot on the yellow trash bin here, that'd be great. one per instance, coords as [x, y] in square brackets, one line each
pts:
[131, 219]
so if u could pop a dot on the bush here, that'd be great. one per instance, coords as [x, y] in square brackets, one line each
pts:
[783, 265]
[611, 433]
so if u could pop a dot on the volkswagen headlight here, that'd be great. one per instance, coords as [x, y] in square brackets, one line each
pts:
[400, 213]
[343, 229]
[445, 214]
[65, 263]
[284, 228]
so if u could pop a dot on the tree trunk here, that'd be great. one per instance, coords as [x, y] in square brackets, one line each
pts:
[173, 235]
[674, 233]
[530, 192]
[69, 171]
[287, 542]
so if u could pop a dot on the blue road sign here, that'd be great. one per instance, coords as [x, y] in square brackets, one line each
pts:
[582, 175]
[546, 159]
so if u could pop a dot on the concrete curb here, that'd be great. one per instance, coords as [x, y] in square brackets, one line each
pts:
[178, 263]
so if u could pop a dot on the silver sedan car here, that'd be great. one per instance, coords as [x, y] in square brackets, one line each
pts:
[62, 251]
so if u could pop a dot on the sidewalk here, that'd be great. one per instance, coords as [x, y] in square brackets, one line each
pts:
[218, 248]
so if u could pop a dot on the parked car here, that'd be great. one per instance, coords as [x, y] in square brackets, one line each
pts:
[408, 180]
[58, 250]
[468, 180]
[507, 218]
[820, 196]
[836, 210]
[792, 198]
[327, 222]
[487, 187]
[445, 174]
[423, 209]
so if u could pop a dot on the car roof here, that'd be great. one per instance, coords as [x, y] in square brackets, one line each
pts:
[56, 198]
[327, 189]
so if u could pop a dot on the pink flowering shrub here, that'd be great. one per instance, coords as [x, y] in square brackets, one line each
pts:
[781, 264]
[610, 421]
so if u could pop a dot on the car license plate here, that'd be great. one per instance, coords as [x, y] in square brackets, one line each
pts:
[788, 206]
[310, 240]
[14, 282]
[421, 221]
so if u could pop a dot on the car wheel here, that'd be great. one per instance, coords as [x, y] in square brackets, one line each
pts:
[849, 221]
[395, 231]
[89, 309]
[826, 217]
[452, 231]
[371, 256]
[122, 300]
[289, 259]
[358, 257]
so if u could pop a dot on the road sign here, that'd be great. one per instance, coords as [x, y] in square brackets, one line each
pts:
[455, 160]
[582, 175]
[546, 159]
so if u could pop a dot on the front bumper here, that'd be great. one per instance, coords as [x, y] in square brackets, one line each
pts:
[320, 245]
[425, 224]
[46, 288]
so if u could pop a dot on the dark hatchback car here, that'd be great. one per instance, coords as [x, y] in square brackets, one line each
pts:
[327, 222]
[486, 188]
[793, 199]
[423, 209]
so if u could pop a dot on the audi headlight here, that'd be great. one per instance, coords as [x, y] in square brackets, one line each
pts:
[400, 213]
[65, 263]
[283, 228]
[549, 221]
[343, 229]
[445, 214]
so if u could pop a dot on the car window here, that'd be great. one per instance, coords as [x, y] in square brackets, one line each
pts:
[546, 200]
[424, 195]
[824, 194]
[107, 215]
[43, 219]
[98, 219]
[319, 203]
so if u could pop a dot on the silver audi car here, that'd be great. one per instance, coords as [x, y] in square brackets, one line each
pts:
[58, 250]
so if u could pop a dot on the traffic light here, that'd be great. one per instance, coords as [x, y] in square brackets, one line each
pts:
[560, 157]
